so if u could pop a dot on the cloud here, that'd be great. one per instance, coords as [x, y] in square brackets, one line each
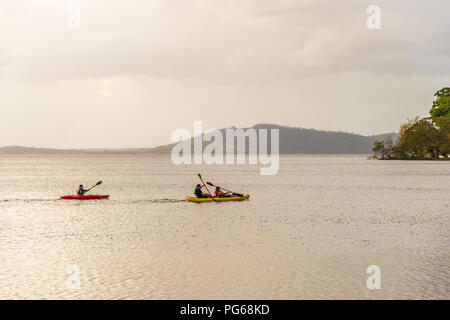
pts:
[221, 40]
[139, 69]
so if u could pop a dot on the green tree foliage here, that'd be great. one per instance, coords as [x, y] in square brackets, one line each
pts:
[383, 149]
[441, 105]
[426, 138]
[443, 124]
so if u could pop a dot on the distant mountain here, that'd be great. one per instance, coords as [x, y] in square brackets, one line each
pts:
[292, 141]
[311, 141]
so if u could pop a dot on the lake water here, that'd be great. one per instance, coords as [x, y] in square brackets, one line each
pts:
[309, 232]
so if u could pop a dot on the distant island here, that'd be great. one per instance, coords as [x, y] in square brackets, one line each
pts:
[292, 141]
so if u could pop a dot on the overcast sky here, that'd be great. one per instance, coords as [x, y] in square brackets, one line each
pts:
[136, 70]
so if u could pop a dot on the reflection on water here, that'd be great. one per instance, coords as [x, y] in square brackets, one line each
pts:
[309, 232]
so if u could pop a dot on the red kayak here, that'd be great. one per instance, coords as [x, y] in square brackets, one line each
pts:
[85, 197]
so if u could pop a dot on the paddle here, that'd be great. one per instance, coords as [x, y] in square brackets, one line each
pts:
[200, 176]
[238, 194]
[97, 184]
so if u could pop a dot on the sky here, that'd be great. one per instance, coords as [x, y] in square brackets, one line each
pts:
[136, 70]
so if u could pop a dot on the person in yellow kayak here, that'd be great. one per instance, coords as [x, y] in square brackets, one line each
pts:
[198, 192]
[218, 193]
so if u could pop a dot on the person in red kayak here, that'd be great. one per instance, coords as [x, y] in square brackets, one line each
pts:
[219, 193]
[81, 190]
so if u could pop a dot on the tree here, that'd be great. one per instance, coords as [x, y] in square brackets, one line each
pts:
[405, 148]
[383, 149]
[443, 124]
[426, 138]
[441, 105]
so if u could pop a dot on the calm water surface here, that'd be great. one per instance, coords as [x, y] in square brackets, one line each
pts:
[309, 232]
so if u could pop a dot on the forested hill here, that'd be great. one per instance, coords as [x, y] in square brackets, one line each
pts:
[292, 141]
[311, 141]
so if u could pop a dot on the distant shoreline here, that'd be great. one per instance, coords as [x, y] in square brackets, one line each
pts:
[168, 154]
[292, 140]
[398, 159]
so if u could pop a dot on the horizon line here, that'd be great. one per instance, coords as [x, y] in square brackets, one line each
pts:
[169, 143]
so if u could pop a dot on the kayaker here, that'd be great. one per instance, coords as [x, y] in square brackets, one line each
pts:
[81, 190]
[219, 193]
[198, 192]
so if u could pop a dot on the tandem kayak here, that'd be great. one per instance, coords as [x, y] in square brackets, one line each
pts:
[233, 198]
[87, 197]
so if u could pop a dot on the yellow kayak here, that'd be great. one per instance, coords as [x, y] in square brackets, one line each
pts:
[233, 198]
